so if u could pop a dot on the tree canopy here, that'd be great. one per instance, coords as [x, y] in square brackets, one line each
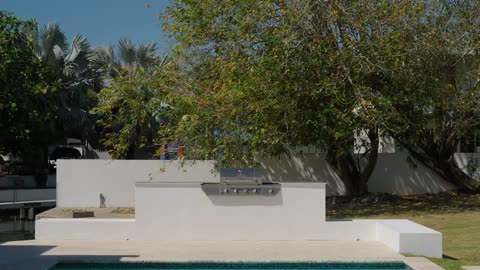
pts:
[267, 76]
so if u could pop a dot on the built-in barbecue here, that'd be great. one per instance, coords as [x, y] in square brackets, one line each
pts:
[236, 182]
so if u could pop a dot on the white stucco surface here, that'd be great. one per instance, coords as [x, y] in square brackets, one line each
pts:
[394, 173]
[80, 182]
[84, 229]
[406, 236]
[398, 173]
[182, 211]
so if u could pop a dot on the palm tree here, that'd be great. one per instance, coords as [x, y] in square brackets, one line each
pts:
[128, 59]
[72, 65]
[129, 65]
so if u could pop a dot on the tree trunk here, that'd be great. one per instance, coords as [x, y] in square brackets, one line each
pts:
[131, 152]
[354, 176]
[345, 167]
[457, 175]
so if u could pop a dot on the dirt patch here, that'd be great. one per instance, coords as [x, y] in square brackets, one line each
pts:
[381, 204]
[124, 211]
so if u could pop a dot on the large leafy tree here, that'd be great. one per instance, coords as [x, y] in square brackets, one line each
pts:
[267, 76]
[26, 89]
[439, 100]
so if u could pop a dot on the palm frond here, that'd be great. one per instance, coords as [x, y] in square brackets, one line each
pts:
[79, 52]
[147, 55]
[50, 36]
[163, 61]
[128, 53]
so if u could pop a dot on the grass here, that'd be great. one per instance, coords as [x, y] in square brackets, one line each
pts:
[455, 215]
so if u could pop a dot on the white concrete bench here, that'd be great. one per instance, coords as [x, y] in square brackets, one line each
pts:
[406, 236]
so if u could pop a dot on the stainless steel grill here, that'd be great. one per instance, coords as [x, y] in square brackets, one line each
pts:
[237, 182]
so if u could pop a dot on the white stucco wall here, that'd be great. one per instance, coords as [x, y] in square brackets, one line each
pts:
[182, 211]
[398, 173]
[393, 174]
[84, 229]
[405, 236]
[80, 181]
[303, 168]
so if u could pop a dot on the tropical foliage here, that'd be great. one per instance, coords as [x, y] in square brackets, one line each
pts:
[129, 59]
[26, 90]
[132, 110]
[72, 65]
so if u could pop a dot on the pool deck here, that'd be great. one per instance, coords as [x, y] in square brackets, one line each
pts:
[35, 254]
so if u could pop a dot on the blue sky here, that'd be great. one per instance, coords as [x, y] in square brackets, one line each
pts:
[101, 21]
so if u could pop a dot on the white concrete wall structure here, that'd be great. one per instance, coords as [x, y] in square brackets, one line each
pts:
[394, 174]
[406, 236]
[399, 174]
[84, 229]
[80, 182]
[182, 211]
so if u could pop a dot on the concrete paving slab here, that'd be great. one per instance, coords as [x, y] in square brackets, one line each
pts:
[35, 254]
[471, 267]
[421, 263]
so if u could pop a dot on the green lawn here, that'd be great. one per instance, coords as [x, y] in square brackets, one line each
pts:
[456, 216]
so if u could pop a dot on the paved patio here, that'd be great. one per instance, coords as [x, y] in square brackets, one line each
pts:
[36, 254]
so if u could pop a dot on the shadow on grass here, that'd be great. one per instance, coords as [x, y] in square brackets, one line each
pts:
[446, 257]
[383, 204]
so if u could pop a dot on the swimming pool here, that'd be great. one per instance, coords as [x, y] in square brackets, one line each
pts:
[235, 266]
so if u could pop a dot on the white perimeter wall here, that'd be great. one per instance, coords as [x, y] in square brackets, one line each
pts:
[393, 174]
[80, 181]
